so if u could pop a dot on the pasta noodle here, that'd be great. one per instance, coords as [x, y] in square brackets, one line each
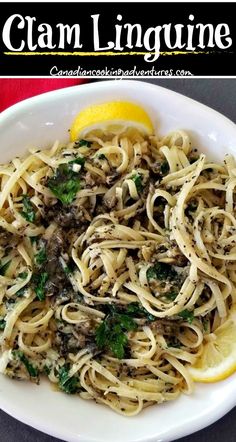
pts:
[117, 261]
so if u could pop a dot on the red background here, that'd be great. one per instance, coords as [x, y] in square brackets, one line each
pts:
[13, 90]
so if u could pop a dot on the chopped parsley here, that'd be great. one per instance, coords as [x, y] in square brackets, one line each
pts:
[161, 271]
[23, 275]
[2, 324]
[165, 167]
[46, 369]
[137, 310]
[65, 183]
[78, 160]
[171, 295]
[137, 179]
[84, 143]
[67, 270]
[69, 267]
[34, 239]
[10, 302]
[101, 156]
[28, 213]
[174, 344]
[110, 334]
[21, 292]
[206, 324]
[40, 281]
[4, 268]
[187, 315]
[41, 256]
[33, 371]
[69, 385]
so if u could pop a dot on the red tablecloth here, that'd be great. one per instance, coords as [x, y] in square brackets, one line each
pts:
[13, 90]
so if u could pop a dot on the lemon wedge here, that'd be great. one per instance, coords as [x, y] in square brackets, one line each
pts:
[218, 360]
[113, 116]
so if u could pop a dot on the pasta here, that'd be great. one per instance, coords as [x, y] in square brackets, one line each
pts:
[117, 261]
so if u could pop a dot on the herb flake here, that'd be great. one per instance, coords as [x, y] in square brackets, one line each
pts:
[23, 275]
[171, 295]
[110, 334]
[101, 156]
[65, 183]
[41, 256]
[69, 385]
[165, 167]
[28, 213]
[2, 324]
[4, 268]
[40, 281]
[137, 179]
[78, 160]
[33, 371]
[137, 310]
[83, 143]
[187, 315]
[161, 271]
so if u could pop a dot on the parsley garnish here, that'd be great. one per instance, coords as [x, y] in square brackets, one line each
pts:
[67, 270]
[21, 292]
[174, 344]
[206, 324]
[69, 267]
[171, 295]
[65, 183]
[161, 271]
[137, 310]
[23, 275]
[40, 281]
[165, 167]
[4, 267]
[46, 369]
[137, 179]
[78, 160]
[33, 371]
[110, 334]
[69, 385]
[41, 256]
[28, 213]
[2, 324]
[83, 142]
[187, 315]
[34, 239]
[101, 156]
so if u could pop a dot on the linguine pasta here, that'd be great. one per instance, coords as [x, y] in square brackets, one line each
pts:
[117, 262]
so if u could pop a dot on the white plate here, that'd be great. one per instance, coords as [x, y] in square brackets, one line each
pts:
[39, 121]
